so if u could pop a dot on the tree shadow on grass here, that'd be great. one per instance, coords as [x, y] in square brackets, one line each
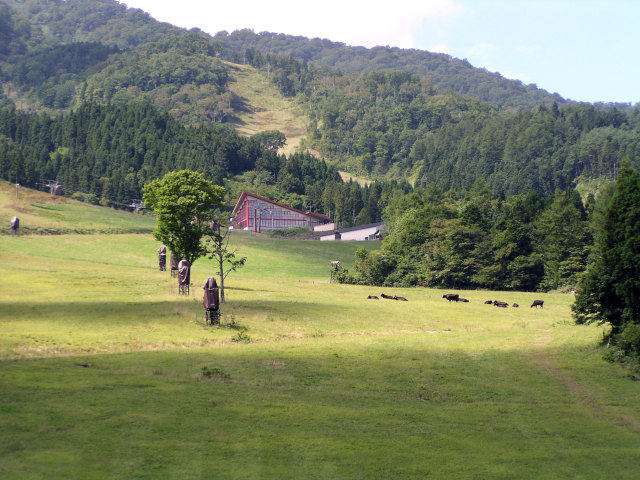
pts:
[97, 311]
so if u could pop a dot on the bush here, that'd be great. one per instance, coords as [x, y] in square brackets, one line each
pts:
[215, 373]
[86, 198]
[629, 340]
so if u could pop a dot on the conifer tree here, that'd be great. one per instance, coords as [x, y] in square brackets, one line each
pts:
[610, 291]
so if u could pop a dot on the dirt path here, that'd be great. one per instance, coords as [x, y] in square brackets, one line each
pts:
[580, 395]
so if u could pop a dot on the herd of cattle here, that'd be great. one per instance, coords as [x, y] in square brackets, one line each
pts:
[454, 297]
[388, 297]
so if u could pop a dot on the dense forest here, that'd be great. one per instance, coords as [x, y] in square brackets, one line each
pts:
[526, 242]
[446, 73]
[106, 154]
[41, 24]
[395, 124]
[381, 124]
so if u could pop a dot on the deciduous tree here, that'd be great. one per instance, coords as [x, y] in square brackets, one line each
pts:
[184, 202]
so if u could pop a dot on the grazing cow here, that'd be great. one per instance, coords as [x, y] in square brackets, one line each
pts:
[373, 297]
[500, 304]
[452, 297]
[390, 297]
[488, 302]
[537, 302]
[460, 299]
[402, 299]
[515, 305]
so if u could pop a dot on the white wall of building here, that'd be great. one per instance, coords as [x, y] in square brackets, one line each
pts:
[359, 234]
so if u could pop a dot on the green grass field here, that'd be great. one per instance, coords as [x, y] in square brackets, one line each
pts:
[40, 213]
[105, 372]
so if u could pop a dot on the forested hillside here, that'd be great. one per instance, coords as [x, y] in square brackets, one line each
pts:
[396, 124]
[445, 72]
[105, 154]
[46, 23]
[102, 21]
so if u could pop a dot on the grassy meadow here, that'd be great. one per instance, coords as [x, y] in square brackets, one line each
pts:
[105, 372]
[40, 213]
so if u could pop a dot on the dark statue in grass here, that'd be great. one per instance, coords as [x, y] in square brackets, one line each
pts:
[184, 203]
[609, 292]
[218, 249]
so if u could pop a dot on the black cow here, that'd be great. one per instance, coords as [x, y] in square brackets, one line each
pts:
[500, 304]
[488, 302]
[536, 303]
[402, 299]
[460, 299]
[515, 305]
[390, 297]
[372, 297]
[452, 297]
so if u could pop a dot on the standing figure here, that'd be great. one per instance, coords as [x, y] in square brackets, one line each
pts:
[173, 265]
[162, 258]
[184, 277]
[211, 301]
[15, 225]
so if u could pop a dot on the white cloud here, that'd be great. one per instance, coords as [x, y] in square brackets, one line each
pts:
[356, 22]
[441, 48]
[482, 49]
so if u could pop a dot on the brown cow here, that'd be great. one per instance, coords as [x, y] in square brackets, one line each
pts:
[452, 297]
[488, 302]
[372, 297]
[390, 297]
[515, 305]
[536, 303]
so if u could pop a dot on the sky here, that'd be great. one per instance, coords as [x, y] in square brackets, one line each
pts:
[585, 50]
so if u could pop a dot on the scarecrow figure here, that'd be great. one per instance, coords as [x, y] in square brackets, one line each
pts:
[15, 225]
[211, 301]
[184, 277]
[173, 265]
[162, 258]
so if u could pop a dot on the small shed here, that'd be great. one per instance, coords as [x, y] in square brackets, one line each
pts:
[328, 237]
[359, 233]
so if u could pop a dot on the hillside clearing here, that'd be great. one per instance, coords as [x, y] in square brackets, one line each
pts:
[267, 108]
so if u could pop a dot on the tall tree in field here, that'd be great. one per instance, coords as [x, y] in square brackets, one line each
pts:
[184, 203]
[610, 290]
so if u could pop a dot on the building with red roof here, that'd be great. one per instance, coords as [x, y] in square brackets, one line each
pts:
[253, 212]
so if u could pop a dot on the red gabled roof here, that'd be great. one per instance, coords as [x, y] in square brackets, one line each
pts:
[246, 194]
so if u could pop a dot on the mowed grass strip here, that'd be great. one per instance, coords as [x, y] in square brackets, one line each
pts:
[107, 372]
